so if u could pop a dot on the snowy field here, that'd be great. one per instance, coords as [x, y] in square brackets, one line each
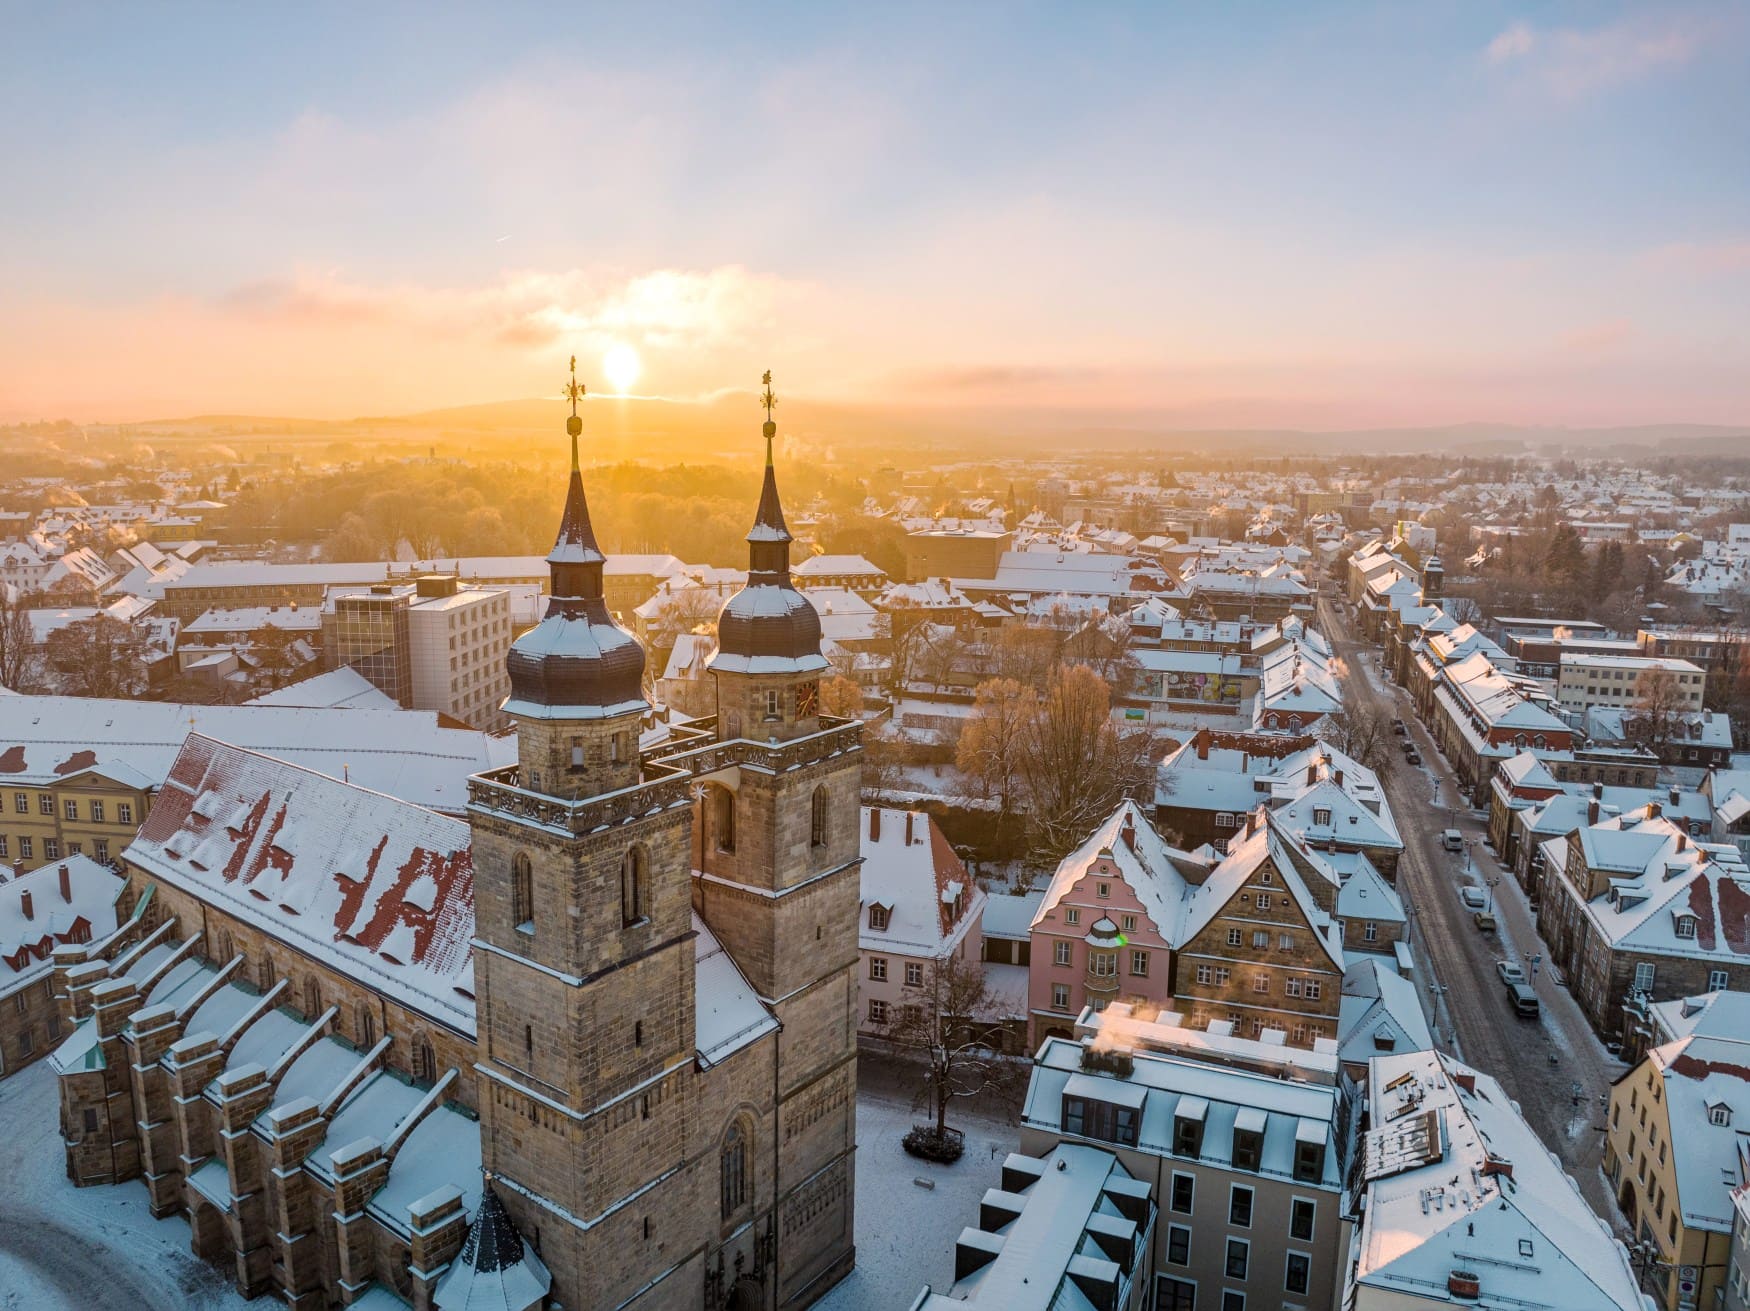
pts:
[905, 1232]
[98, 1249]
[84, 1249]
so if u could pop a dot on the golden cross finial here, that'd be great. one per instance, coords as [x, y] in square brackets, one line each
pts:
[574, 391]
[768, 400]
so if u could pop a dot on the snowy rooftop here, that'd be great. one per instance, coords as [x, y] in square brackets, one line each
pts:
[1457, 1182]
[381, 889]
[71, 900]
[405, 753]
[908, 870]
[343, 687]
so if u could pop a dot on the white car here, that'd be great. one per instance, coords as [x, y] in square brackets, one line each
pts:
[1509, 972]
[1472, 898]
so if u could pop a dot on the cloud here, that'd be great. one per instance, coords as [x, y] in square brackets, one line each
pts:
[1571, 64]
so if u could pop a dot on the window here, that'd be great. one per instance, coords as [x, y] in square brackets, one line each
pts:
[1139, 964]
[817, 818]
[99, 850]
[877, 1011]
[1174, 1294]
[1291, 987]
[1686, 926]
[1239, 1207]
[1103, 964]
[367, 1028]
[1232, 1301]
[1301, 1215]
[70, 809]
[914, 974]
[774, 703]
[21, 803]
[1312, 989]
[1719, 1115]
[1322, 817]
[124, 813]
[1644, 976]
[51, 848]
[1239, 1256]
[723, 807]
[1264, 901]
[878, 918]
[1298, 1276]
[1260, 983]
[45, 803]
[3, 850]
[1089, 1118]
[1233, 937]
[1248, 1149]
[1285, 942]
[1061, 953]
[1102, 889]
[878, 968]
[1128, 923]
[1717, 980]
[1178, 1245]
[1224, 820]
[1184, 1192]
[1309, 1162]
[632, 887]
[26, 848]
[522, 892]
[424, 1062]
[733, 1170]
[1266, 877]
[1370, 932]
[1072, 916]
[1060, 996]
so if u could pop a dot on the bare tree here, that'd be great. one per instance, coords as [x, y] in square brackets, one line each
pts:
[17, 647]
[1359, 732]
[992, 747]
[1657, 715]
[951, 1021]
[840, 697]
[98, 656]
[1077, 764]
[689, 610]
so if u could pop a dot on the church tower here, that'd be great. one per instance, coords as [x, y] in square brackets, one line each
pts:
[776, 855]
[584, 955]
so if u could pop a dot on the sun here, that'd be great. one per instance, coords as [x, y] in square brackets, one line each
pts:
[620, 367]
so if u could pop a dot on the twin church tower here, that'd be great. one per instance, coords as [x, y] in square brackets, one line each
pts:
[667, 941]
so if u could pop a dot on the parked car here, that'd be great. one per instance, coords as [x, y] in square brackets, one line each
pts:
[1525, 1003]
[1509, 972]
[1397, 726]
[1452, 840]
[1485, 921]
[1473, 898]
[1407, 746]
[1412, 758]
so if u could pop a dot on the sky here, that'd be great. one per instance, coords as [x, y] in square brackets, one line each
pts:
[1328, 215]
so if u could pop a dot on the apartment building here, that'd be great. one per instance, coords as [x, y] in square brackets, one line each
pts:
[1247, 1144]
[58, 905]
[1625, 681]
[1673, 1149]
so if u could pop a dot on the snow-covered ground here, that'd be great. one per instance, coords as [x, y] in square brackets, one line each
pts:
[84, 1249]
[906, 1232]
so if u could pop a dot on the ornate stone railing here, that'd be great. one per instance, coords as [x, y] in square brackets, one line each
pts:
[669, 771]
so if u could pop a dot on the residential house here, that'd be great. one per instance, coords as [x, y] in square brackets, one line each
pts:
[57, 905]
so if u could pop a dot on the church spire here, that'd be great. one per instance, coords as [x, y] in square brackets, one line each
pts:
[576, 561]
[770, 537]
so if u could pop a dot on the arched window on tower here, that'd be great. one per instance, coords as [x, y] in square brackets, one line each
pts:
[632, 886]
[522, 892]
[733, 1170]
[367, 1025]
[723, 820]
[817, 818]
[312, 998]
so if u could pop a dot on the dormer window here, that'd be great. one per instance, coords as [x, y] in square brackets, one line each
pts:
[878, 918]
[1686, 926]
[1720, 1115]
[1321, 818]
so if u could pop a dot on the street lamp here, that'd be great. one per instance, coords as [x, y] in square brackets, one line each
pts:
[1491, 883]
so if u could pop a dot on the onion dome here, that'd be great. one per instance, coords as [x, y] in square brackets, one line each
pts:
[768, 627]
[577, 663]
[1104, 935]
[495, 1270]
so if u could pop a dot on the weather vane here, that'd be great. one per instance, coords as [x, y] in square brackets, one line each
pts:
[574, 391]
[768, 400]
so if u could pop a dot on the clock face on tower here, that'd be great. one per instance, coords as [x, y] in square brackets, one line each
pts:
[808, 698]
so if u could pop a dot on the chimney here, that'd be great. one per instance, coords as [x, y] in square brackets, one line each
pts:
[1598, 789]
[1591, 812]
[1312, 773]
[1464, 1284]
[874, 823]
[1682, 843]
[1203, 744]
[66, 885]
[1465, 1079]
[25, 906]
[1493, 1164]
[1251, 822]
[908, 819]
[1675, 795]
[1653, 810]
[1129, 833]
[1339, 778]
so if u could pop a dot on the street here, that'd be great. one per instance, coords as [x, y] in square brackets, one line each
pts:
[1540, 1061]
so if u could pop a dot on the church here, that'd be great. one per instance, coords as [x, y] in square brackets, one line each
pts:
[594, 1047]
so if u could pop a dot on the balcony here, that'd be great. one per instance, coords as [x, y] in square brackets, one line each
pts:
[1104, 984]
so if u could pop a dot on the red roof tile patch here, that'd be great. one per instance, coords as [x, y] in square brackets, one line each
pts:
[12, 760]
[1702, 907]
[77, 761]
[1734, 914]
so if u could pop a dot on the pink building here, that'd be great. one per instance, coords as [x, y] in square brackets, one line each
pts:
[1108, 924]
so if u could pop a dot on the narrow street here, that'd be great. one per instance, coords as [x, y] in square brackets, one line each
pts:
[1539, 1062]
